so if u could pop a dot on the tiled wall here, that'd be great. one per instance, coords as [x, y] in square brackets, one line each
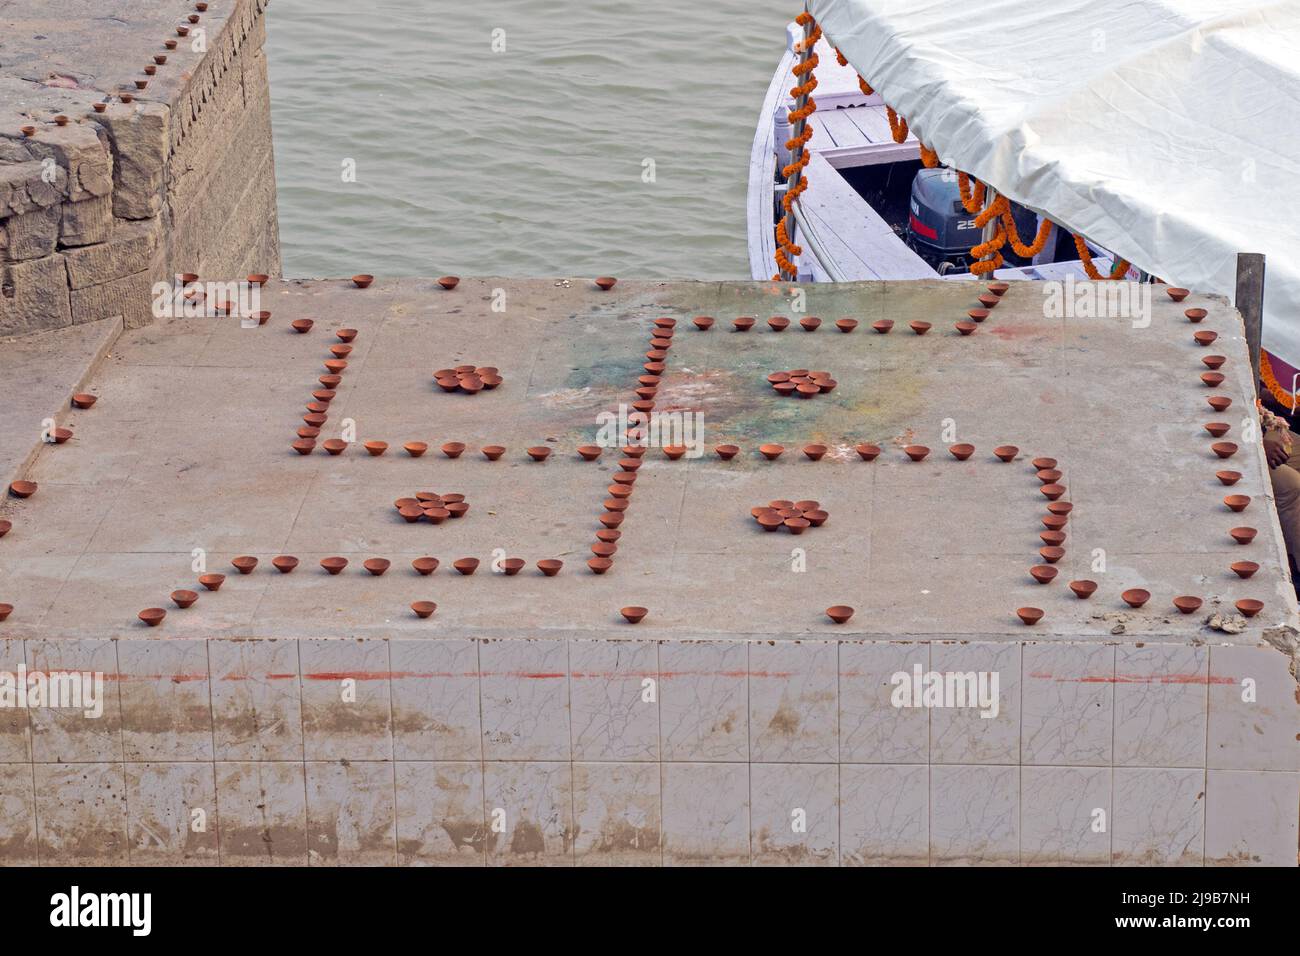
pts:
[607, 751]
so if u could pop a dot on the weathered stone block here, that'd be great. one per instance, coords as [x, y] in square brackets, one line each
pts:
[34, 296]
[129, 249]
[31, 235]
[139, 137]
[128, 296]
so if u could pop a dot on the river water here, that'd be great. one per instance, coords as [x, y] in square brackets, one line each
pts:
[518, 137]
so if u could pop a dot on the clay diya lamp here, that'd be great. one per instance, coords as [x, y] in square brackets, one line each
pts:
[539, 453]
[550, 566]
[124, 96]
[1083, 589]
[1205, 337]
[456, 509]
[61, 435]
[796, 525]
[425, 566]
[778, 323]
[624, 477]
[318, 407]
[257, 279]
[5, 526]
[743, 324]
[341, 350]
[665, 324]
[335, 366]
[620, 491]
[1217, 429]
[966, 328]
[630, 464]
[1054, 522]
[1228, 477]
[605, 283]
[1187, 604]
[1042, 463]
[816, 517]
[244, 564]
[810, 323]
[1243, 535]
[1029, 615]
[512, 566]
[771, 452]
[919, 327]
[1060, 507]
[423, 609]
[988, 301]
[169, 44]
[212, 582]
[1249, 607]
[867, 451]
[1214, 361]
[99, 107]
[726, 452]
[466, 566]
[883, 326]
[839, 613]
[493, 452]
[611, 519]
[1177, 294]
[315, 420]
[674, 452]
[412, 513]
[346, 335]
[302, 326]
[29, 131]
[1052, 491]
[776, 378]
[141, 84]
[284, 563]
[769, 521]
[1224, 449]
[308, 431]
[825, 384]
[589, 452]
[23, 489]
[999, 289]
[305, 446]
[1048, 475]
[5, 611]
[1135, 597]
[608, 535]
[1195, 315]
[330, 381]
[1244, 569]
[375, 448]
[416, 448]
[846, 325]
[447, 384]
[703, 322]
[1237, 502]
[363, 280]
[335, 446]
[600, 565]
[1042, 573]
[376, 566]
[1055, 538]
[633, 615]
[449, 282]
[916, 452]
[978, 315]
[1219, 402]
[815, 452]
[152, 616]
[84, 400]
[333, 565]
[453, 449]
[961, 451]
[785, 389]
[1006, 452]
[1212, 379]
[184, 598]
[1051, 553]
[62, 120]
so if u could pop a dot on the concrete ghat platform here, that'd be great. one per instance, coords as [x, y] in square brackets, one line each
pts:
[323, 722]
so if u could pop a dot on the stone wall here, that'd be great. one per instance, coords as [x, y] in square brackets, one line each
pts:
[179, 179]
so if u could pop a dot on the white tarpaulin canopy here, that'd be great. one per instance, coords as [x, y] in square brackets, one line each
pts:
[1167, 131]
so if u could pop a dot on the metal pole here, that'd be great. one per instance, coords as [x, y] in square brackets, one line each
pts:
[796, 130]
[1250, 303]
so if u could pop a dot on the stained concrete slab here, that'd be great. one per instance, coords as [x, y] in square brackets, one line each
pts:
[525, 722]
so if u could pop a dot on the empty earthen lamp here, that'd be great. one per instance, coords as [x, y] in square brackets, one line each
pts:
[1212, 379]
[5, 611]
[1136, 597]
[961, 451]
[674, 452]
[5, 526]
[1219, 402]
[212, 582]
[1060, 507]
[184, 598]
[1224, 449]
[778, 323]
[605, 283]
[703, 322]
[1083, 589]
[1052, 491]
[846, 325]
[633, 615]
[330, 381]
[1228, 477]
[244, 564]
[978, 315]
[999, 288]
[589, 452]
[815, 452]
[23, 489]
[796, 524]
[1042, 463]
[512, 566]
[412, 513]
[376, 566]
[883, 325]
[284, 563]
[345, 335]
[1205, 337]
[919, 327]
[453, 449]
[1177, 294]
[1250, 607]
[600, 565]
[302, 325]
[84, 400]
[726, 452]
[1243, 535]
[1029, 615]
[1214, 362]
[416, 448]
[1047, 476]
[839, 613]
[867, 451]
[1195, 315]
[449, 282]
[493, 452]
[152, 616]
[1051, 553]
[335, 366]
[333, 565]
[771, 452]
[1042, 573]
[744, 323]
[550, 566]
[1056, 538]
[465, 566]
[1006, 452]
[423, 609]
[1217, 429]
[342, 350]
[1054, 522]
[916, 452]
[362, 280]
[966, 328]
[1237, 502]
[335, 446]
[454, 509]
[375, 448]
[1187, 603]
[1244, 569]
[810, 323]
[539, 453]
[988, 300]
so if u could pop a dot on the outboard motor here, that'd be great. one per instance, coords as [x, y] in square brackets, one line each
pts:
[941, 231]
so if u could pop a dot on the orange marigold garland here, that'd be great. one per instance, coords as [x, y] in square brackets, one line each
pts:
[1284, 398]
[1089, 267]
[787, 251]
